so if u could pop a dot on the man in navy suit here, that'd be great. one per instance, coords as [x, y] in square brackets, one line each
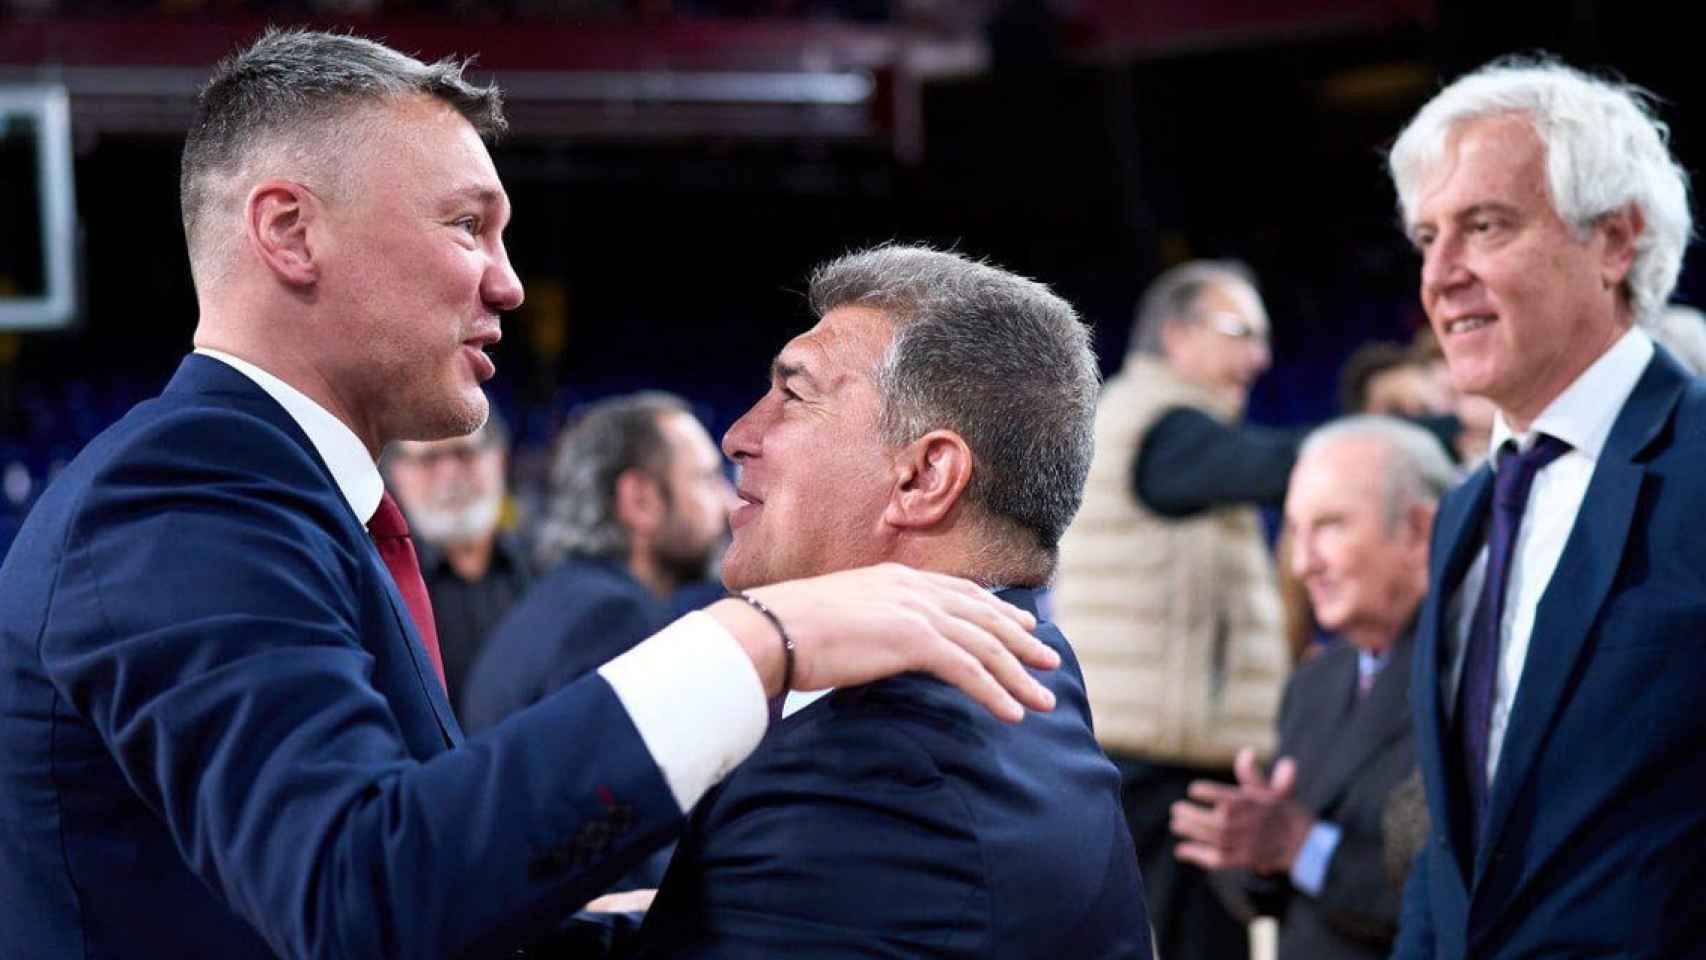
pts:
[223, 732]
[639, 506]
[939, 415]
[1559, 654]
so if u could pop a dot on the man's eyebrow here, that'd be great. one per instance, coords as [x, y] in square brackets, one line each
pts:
[782, 370]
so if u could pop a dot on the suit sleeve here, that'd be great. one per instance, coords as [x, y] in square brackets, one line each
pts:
[208, 623]
[1358, 898]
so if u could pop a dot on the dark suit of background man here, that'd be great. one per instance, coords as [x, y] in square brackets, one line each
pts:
[223, 732]
[938, 415]
[1310, 843]
[638, 507]
[452, 492]
[1558, 718]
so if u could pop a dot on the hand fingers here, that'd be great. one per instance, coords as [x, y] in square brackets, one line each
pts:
[1285, 776]
[1200, 854]
[996, 617]
[1195, 823]
[1210, 791]
[998, 659]
[1249, 775]
[954, 665]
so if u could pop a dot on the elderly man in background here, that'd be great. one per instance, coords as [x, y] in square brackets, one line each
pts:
[1310, 840]
[1558, 654]
[939, 416]
[1166, 585]
[452, 492]
[638, 507]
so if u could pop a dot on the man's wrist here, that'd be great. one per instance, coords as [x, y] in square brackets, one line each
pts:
[757, 637]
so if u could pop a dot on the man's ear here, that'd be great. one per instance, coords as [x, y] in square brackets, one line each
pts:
[930, 473]
[278, 218]
[639, 502]
[1419, 527]
[1621, 229]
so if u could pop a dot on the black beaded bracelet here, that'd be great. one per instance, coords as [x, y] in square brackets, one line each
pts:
[787, 641]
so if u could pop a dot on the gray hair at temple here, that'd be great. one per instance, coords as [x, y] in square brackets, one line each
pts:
[995, 357]
[1172, 298]
[608, 438]
[1605, 151]
[1418, 471]
[292, 104]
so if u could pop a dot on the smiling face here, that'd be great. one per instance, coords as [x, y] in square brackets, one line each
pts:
[1365, 573]
[415, 276]
[1520, 303]
[814, 474]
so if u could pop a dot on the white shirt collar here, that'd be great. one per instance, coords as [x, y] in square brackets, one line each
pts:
[353, 469]
[1582, 416]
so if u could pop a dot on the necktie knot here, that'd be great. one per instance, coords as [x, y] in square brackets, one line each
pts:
[1517, 468]
[388, 522]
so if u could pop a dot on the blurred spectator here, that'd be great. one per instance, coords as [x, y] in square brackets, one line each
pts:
[453, 494]
[1388, 378]
[639, 506]
[1309, 840]
[1166, 585]
[1681, 329]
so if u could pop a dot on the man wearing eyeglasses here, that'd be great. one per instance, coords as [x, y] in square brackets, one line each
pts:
[1166, 584]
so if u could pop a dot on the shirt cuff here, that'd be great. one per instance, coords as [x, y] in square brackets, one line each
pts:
[696, 699]
[1309, 870]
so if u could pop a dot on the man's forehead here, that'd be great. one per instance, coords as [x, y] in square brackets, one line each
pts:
[1483, 161]
[845, 335]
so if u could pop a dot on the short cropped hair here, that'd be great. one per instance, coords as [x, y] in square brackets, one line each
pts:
[1172, 298]
[608, 438]
[995, 357]
[293, 94]
[1418, 471]
[1606, 150]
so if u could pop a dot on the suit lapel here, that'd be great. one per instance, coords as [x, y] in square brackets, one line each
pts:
[431, 687]
[206, 375]
[1457, 537]
[1579, 586]
[1373, 723]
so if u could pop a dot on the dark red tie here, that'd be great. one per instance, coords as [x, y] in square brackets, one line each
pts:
[391, 535]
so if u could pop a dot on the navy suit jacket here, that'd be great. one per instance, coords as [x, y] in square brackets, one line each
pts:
[1595, 841]
[899, 819]
[574, 619]
[220, 737]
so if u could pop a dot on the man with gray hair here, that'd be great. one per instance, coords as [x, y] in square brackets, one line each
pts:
[1166, 584]
[1558, 654]
[1308, 841]
[638, 507]
[223, 725]
[938, 416]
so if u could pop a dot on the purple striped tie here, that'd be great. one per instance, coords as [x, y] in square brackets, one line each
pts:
[1476, 689]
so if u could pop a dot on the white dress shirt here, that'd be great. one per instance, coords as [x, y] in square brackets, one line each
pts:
[1581, 416]
[690, 689]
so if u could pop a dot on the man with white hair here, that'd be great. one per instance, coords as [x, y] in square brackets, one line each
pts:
[1558, 669]
[1309, 842]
